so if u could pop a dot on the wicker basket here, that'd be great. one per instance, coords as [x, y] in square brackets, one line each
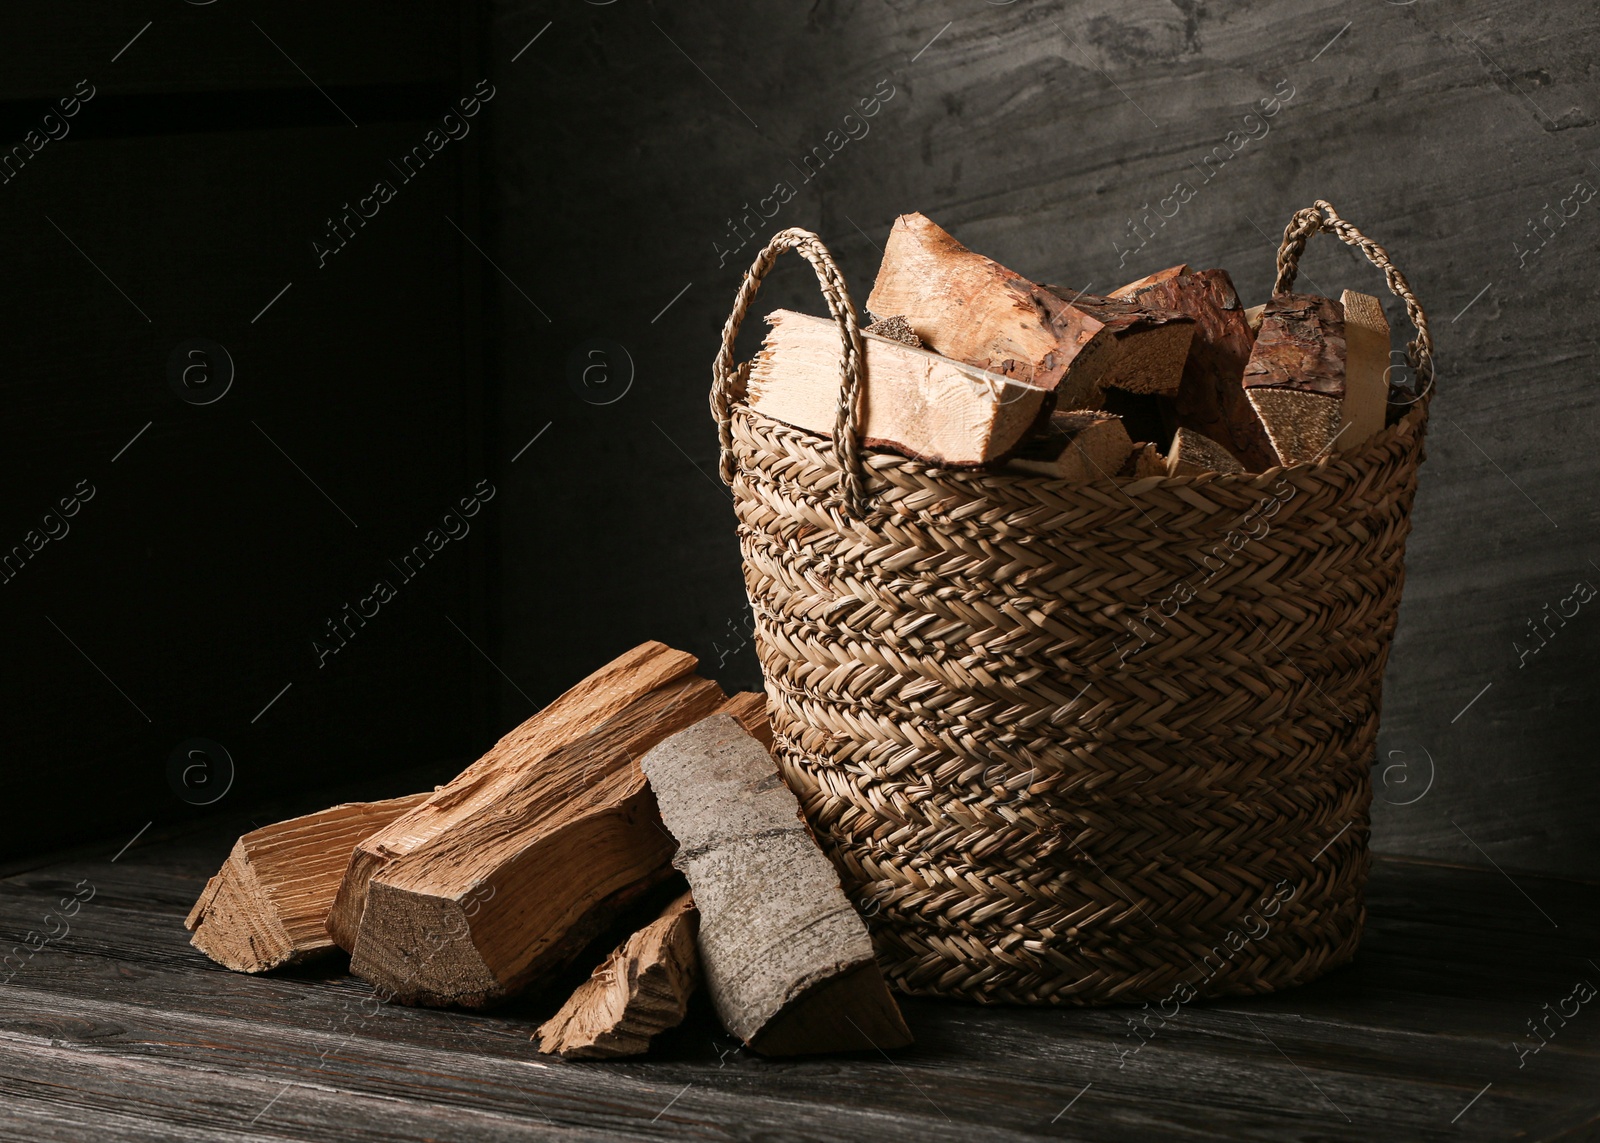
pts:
[1078, 743]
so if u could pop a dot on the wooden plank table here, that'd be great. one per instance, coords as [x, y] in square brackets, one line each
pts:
[118, 1029]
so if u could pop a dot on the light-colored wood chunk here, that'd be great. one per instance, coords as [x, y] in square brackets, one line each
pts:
[641, 989]
[268, 905]
[972, 309]
[787, 959]
[1076, 446]
[504, 874]
[1192, 454]
[1366, 369]
[1252, 317]
[914, 402]
[1296, 376]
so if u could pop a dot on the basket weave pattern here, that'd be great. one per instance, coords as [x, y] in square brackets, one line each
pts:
[1080, 743]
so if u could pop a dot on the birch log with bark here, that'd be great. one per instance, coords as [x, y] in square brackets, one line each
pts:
[787, 959]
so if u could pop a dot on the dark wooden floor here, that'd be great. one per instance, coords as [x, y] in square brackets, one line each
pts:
[120, 1030]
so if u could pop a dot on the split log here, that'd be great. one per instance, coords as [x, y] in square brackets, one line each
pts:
[1076, 446]
[1146, 459]
[1151, 345]
[1366, 369]
[1252, 318]
[915, 402]
[641, 990]
[268, 905]
[1193, 454]
[504, 874]
[787, 959]
[1131, 290]
[1295, 378]
[895, 329]
[1210, 399]
[972, 309]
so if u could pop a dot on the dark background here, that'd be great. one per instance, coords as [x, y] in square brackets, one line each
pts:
[597, 189]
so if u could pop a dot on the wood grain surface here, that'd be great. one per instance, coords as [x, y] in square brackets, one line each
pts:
[121, 1030]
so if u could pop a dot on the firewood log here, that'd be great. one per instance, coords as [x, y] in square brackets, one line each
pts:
[641, 990]
[915, 402]
[787, 959]
[1147, 459]
[503, 874]
[973, 309]
[1295, 378]
[1252, 317]
[1210, 399]
[268, 905]
[1076, 446]
[1193, 454]
[1366, 369]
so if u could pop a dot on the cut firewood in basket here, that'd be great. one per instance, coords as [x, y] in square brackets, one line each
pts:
[1076, 446]
[268, 905]
[972, 309]
[505, 873]
[639, 991]
[914, 402]
[1366, 369]
[1295, 378]
[1252, 317]
[787, 959]
[1210, 399]
[1146, 459]
[1192, 454]
[750, 708]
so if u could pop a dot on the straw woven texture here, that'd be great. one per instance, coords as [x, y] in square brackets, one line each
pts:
[1077, 743]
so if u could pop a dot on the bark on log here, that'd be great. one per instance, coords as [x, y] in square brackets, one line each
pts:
[973, 309]
[1366, 369]
[914, 402]
[506, 872]
[1210, 399]
[1076, 446]
[787, 959]
[642, 989]
[1295, 378]
[268, 905]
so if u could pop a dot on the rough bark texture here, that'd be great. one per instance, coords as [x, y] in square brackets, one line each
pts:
[1295, 377]
[787, 959]
[1077, 446]
[913, 401]
[504, 873]
[268, 905]
[970, 308]
[642, 989]
[1193, 453]
[1366, 369]
[895, 329]
[1210, 400]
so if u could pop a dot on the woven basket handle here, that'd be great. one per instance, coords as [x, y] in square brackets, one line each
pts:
[726, 378]
[1322, 216]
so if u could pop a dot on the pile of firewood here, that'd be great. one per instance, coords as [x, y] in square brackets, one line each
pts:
[591, 814]
[971, 365]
